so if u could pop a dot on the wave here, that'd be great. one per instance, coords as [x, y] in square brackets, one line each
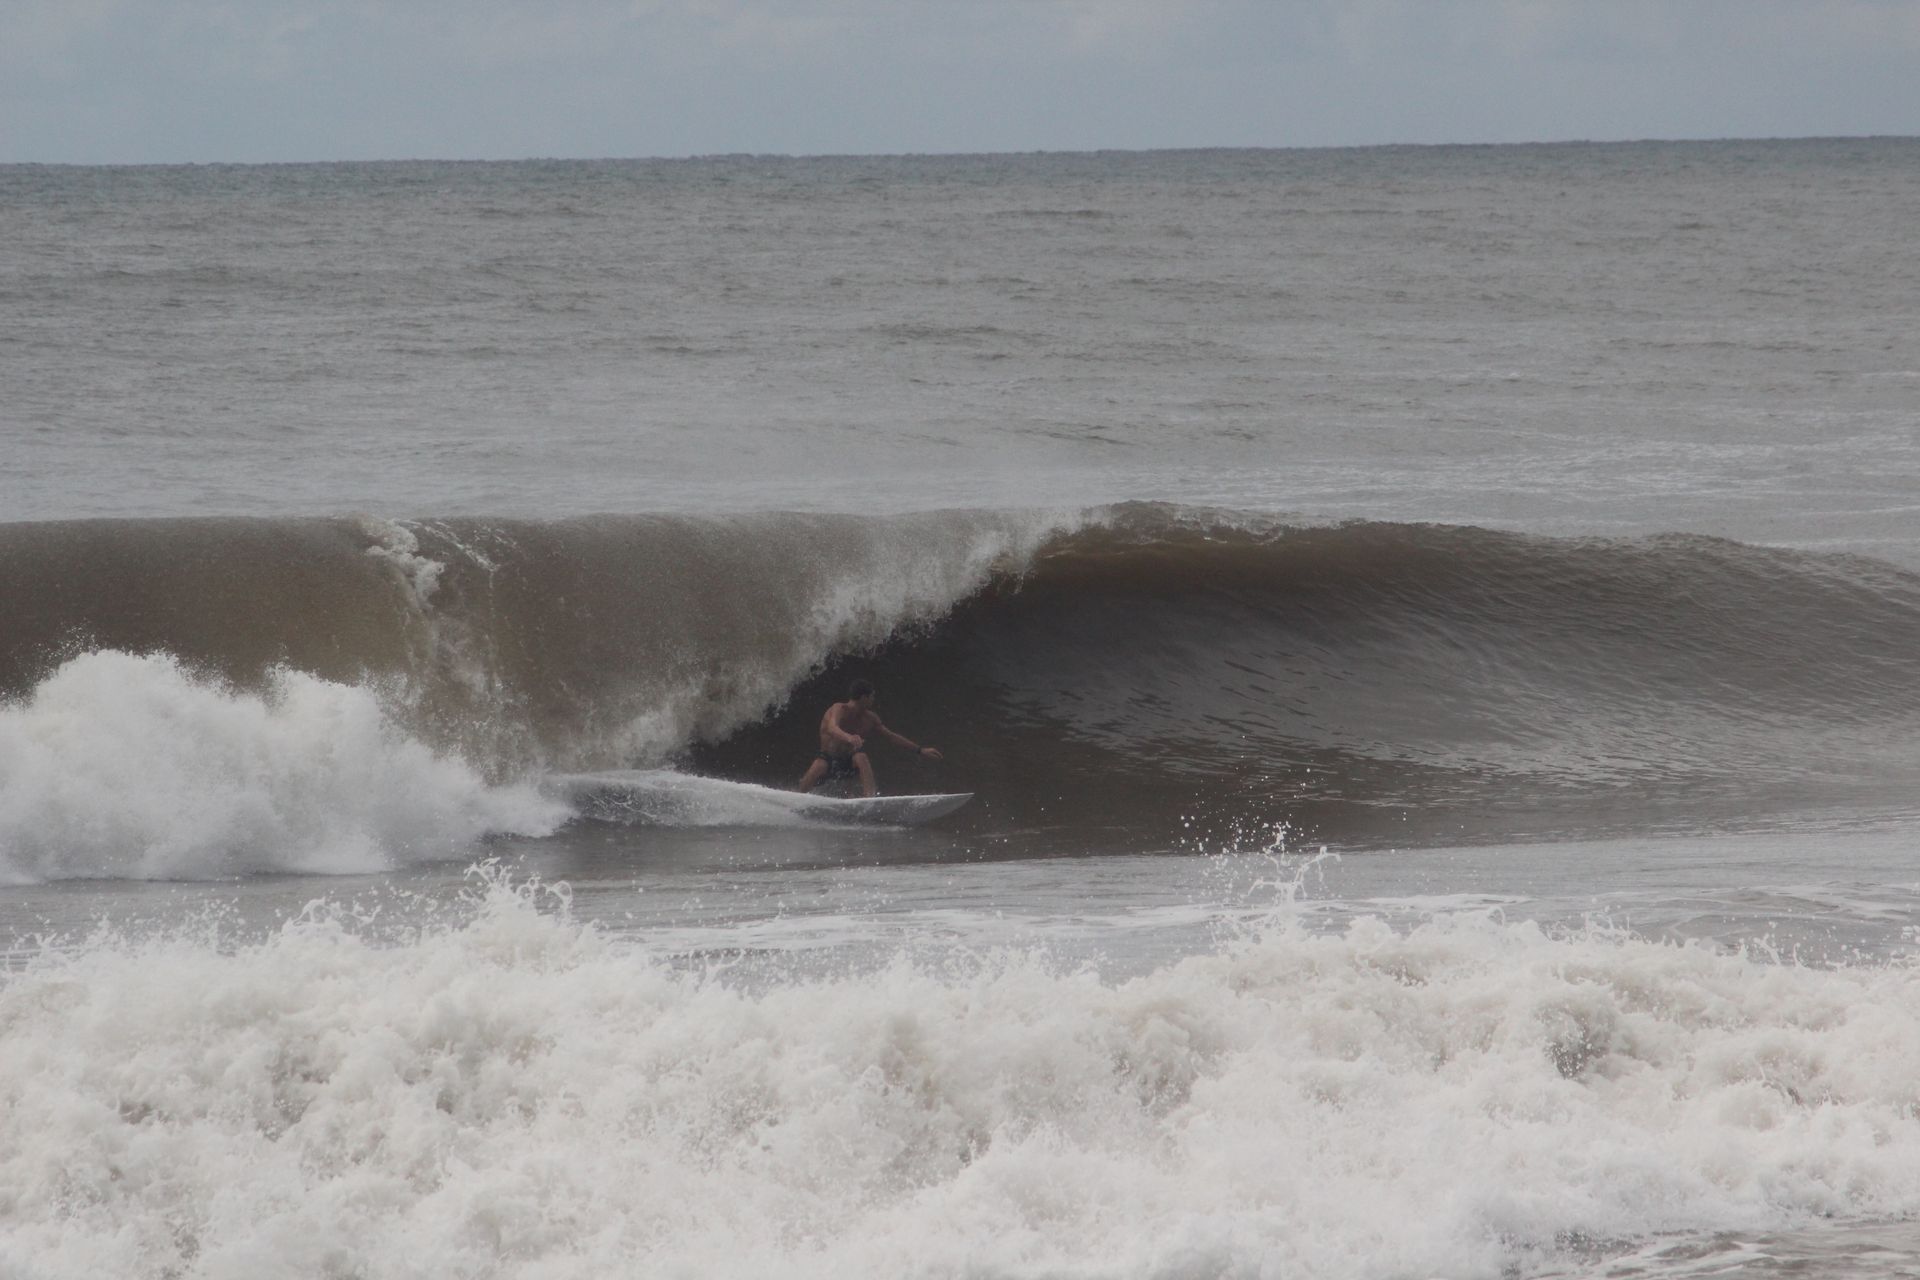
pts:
[1384, 682]
[1124, 673]
[520, 1094]
[577, 643]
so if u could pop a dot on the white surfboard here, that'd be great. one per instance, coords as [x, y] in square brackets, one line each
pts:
[886, 811]
[662, 797]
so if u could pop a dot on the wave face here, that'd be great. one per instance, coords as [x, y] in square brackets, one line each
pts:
[580, 643]
[1125, 674]
[195, 698]
[1378, 681]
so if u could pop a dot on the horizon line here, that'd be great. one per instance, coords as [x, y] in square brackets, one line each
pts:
[696, 157]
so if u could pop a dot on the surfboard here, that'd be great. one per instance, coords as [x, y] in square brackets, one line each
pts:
[662, 797]
[886, 811]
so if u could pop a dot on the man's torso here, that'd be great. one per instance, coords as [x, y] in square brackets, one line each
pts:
[850, 719]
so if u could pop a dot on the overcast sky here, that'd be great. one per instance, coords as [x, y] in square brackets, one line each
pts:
[247, 80]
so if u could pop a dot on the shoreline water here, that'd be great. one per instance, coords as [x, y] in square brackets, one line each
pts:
[1535, 1033]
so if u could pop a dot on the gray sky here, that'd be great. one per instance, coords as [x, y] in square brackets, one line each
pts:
[247, 80]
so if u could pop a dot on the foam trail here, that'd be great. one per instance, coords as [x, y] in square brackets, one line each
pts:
[664, 797]
[124, 765]
[520, 1095]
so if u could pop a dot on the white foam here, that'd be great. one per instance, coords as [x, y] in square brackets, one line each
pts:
[524, 1096]
[123, 765]
[666, 797]
[395, 542]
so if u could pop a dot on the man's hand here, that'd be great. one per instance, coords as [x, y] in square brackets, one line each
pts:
[932, 753]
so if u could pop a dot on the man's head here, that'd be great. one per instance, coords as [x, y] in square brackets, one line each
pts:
[860, 691]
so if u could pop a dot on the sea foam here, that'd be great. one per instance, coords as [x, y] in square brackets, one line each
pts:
[128, 765]
[514, 1093]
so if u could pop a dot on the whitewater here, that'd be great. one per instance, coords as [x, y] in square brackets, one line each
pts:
[518, 1092]
[1428, 632]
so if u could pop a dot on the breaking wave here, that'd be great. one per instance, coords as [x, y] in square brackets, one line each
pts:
[307, 693]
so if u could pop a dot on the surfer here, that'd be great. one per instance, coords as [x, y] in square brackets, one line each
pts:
[844, 731]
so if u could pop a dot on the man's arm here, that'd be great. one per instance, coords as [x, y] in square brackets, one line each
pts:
[932, 753]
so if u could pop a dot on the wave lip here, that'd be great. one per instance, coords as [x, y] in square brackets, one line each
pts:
[131, 766]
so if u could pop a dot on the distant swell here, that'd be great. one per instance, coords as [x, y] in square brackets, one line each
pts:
[1135, 674]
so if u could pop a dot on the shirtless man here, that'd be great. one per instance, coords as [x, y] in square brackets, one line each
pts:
[844, 731]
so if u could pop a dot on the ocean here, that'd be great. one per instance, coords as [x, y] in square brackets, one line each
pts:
[1430, 633]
